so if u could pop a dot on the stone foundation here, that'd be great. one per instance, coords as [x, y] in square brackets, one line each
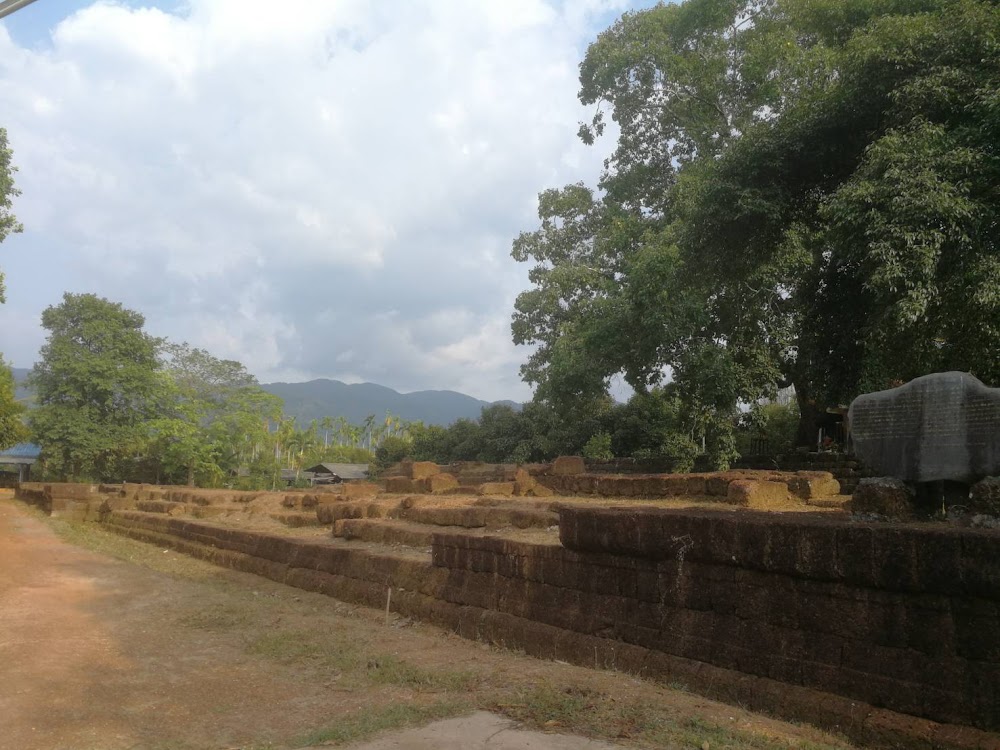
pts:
[889, 633]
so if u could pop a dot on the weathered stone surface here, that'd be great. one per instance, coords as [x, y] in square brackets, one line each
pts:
[568, 465]
[357, 490]
[423, 469]
[438, 483]
[497, 488]
[399, 484]
[884, 496]
[810, 485]
[751, 494]
[944, 426]
[540, 490]
[523, 482]
[984, 497]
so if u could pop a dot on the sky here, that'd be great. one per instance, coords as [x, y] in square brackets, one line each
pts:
[316, 188]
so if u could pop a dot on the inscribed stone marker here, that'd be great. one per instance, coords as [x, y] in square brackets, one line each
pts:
[944, 426]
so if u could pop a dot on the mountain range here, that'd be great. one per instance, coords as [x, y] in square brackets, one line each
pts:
[316, 399]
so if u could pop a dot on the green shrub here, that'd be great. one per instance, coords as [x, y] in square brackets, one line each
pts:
[598, 448]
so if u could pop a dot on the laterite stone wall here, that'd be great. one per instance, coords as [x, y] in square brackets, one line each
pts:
[905, 617]
[884, 631]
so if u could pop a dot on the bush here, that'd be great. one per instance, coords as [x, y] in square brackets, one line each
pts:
[392, 450]
[598, 448]
[774, 424]
[677, 450]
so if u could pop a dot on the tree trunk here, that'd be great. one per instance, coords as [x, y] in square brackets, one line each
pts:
[807, 433]
[190, 481]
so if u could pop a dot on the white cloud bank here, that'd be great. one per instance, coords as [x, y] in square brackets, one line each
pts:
[319, 189]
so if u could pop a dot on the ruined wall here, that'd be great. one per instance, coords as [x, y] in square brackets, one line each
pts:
[848, 470]
[81, 502]
[817, 619]
[901, 617]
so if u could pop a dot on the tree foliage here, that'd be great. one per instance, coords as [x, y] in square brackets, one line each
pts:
[8, 222]
[214, 417]
[95, 385]
[803, 191]
[12, 428]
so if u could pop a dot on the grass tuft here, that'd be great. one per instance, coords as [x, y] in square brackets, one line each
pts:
[370, 721]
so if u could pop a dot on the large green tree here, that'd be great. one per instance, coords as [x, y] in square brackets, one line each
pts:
[212, 416]
[96, 387]
[803, 192]
[8, 222]
[11, 427]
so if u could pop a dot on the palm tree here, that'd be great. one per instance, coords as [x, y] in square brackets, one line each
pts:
[369, 422]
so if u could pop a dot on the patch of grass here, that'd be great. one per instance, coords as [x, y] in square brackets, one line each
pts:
[358, 663]
[93, 537]
[391, 670]
[284, 645]
[369, 721]
[594, 714]
[218, 619]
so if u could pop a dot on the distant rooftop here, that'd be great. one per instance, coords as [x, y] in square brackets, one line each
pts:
[20, 454]
[344, 471]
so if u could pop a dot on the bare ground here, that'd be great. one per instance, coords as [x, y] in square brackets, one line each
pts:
[107, 643]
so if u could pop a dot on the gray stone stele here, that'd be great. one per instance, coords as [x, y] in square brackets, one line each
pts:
[944, 426]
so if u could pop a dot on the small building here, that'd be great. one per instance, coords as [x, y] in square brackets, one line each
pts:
[328, 473]
[18, 459]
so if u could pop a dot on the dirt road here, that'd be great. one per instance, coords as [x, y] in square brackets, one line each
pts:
[156, 651]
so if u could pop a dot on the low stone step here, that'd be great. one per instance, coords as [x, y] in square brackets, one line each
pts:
[520, 503]
[334, 511]
[385, 532]
[296, 519]
[353, 571]
[472, 517]
[161, 506]
[838, 501]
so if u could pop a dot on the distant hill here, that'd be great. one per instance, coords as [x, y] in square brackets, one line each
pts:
[331, 398]
[20, 373]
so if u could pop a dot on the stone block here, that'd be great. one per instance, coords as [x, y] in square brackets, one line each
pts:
[496, 488]
[984, 497]
[423, 469]
[944, 426]
[883, 496]
[809, 485]
[523, 482]
[748, 493]
[358, 490]
[568, 466]
[438, 483]
[717, 485]
[695, 486]
[540, 490]
[71, 491]
[400, 484]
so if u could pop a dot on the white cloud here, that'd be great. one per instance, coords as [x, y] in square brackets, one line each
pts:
[319, 189]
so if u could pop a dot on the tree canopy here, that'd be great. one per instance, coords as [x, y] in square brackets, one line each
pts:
[8, 222]
[11, 427]
[212, 418]
[803, 192]
[95, 385]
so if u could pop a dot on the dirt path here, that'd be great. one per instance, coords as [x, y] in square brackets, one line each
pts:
[157, 651]
[86, 662]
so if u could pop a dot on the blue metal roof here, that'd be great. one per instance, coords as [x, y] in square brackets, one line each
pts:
[22, 450]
